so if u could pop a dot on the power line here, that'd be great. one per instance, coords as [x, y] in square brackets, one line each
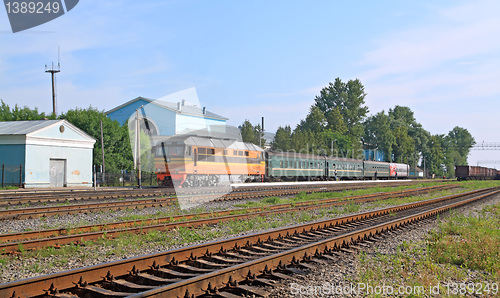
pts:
[486, 146]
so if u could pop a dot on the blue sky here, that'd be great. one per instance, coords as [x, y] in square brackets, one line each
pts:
[249, 59]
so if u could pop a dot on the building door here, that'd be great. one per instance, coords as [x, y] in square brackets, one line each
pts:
[57, 172]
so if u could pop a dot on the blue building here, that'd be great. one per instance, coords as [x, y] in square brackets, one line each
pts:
[50, 153]
[374, 154]
[167, 118]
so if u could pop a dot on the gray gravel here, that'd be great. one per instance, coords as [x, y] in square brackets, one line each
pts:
[344, 271]
[23, 267]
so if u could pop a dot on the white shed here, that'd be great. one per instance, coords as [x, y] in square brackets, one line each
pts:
[45, 153]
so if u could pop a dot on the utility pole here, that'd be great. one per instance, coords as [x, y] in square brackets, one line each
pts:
[261, 133]
[53, 72]
[138, 147]
[103, 163]
[425, 174]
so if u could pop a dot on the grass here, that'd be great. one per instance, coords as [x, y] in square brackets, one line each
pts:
[9, 187]
[463, 250]
[470, 241]
[133, 244]
[315, 197]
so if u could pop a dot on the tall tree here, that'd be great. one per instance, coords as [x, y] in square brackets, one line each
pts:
[435, 157]
[404, 146]
[315, 121]
[404, 114]
[247, 132]
[336, 121]
[349, 99]
[378, 134]
[117, 149]
[282, 139]
[251, 134]
[458, 143]
[21, 114]
[461, 140]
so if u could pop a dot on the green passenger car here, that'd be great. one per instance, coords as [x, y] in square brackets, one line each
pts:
[344, 168]
[294, 166]
[381, 169]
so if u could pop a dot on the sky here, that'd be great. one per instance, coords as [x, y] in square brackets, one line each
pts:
[253, 59]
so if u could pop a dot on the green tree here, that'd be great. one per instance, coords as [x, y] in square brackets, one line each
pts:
[404, 116]
[282, 139]
[303, 141]
[248, 132]
[404, 146]
[21, 114]
[117, 149]
[349, 99]
[314, 122]
[435, 157]
[378, 134]
[335, 121]
[458, 143]
[251, 134]
[461, 141]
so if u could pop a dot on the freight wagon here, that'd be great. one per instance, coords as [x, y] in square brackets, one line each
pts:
[475, 173]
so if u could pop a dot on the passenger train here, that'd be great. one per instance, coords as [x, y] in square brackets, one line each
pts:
[190, 161]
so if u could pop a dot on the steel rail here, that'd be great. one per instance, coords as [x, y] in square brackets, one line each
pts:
[220, 278]
[88, 275]
[58, 237]
[78, 208]
[35, 212]
[46, 196]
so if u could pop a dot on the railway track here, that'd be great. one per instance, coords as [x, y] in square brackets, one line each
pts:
[194, 196]
[28, 197]
[10, 243]
[23, 213]
[234, 266]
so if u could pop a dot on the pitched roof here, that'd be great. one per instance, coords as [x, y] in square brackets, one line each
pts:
[185, 109]
[24, 127]
[31, 126]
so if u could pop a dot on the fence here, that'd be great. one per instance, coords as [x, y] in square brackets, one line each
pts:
[12, 175]
[125, 178]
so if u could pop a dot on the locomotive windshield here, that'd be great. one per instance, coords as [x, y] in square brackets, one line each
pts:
[170, 150]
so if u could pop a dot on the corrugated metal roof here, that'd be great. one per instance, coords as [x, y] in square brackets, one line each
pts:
[24, 127]
[188, 109]
[185, 109]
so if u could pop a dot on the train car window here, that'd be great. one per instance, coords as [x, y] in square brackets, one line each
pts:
[240, 153]
[202, 150]
[281, 164]
[211, 151]
[235, 152]
[247, 153]
[188, 151]
[195, 158]
[311, 165]
[286, 164]
[225, 152]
